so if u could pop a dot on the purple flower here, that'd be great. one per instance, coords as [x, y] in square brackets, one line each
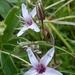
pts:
[40, 68]
[29, 23]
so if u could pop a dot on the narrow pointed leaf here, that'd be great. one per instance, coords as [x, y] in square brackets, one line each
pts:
[8, 65]
[11, 21]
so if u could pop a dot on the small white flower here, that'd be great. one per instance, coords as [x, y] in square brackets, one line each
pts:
[40, 68]
[29, 23]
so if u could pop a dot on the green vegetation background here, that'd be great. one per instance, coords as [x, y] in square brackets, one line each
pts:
[11, 62]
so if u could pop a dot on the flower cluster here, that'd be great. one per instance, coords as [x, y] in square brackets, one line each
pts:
[39, 67]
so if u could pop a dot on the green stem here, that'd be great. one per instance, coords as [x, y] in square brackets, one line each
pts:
[50, 26]
[4, 52]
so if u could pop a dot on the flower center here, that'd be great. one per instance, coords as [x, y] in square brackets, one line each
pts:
[40, 68]
[29, 22]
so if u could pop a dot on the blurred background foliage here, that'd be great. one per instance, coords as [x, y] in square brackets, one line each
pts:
[13, 58]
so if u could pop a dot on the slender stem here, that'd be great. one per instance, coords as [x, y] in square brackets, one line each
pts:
[15, 57]
[69, 8]
[62, 18]
[50, 26]
[52, 37]
[43, 31]
[56, 63]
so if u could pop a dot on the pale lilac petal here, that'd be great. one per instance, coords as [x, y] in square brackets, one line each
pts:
[32, 57]
[22, 30]
[32, 71]
[33, 12]
[24, 11]
[51, 71]
[34, 27]
[47, 57]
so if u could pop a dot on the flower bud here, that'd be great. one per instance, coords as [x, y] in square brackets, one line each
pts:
[40, 11]
[2, 28]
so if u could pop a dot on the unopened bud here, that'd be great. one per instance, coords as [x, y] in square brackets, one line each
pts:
[40, 11]
[2, 28]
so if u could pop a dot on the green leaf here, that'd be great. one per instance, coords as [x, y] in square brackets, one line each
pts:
[11, 21]
[4, 8]
[8, 65]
